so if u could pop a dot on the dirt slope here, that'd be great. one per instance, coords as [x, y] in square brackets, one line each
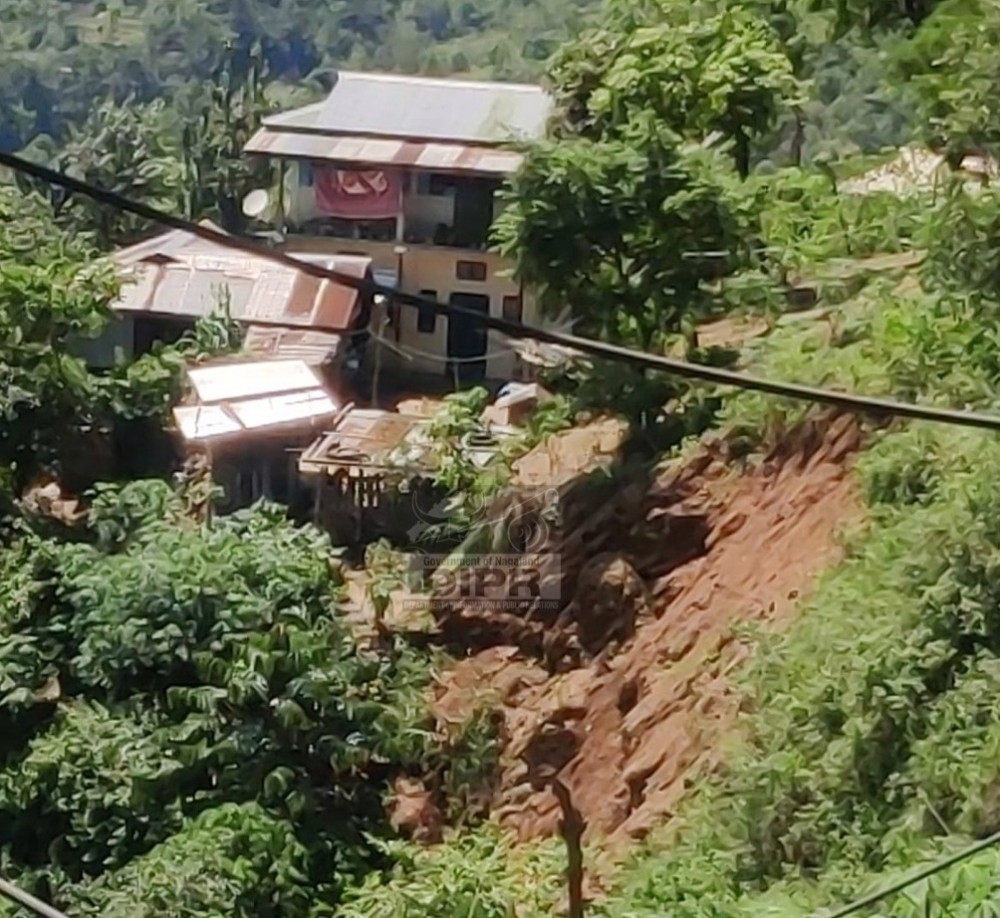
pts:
[662, 575]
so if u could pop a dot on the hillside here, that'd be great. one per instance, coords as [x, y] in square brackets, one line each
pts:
[61, 59]
[769, 681]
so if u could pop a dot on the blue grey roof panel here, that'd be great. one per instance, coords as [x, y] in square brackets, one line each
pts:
[425, 109]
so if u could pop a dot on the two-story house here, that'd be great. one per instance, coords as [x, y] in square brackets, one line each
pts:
[406, 171]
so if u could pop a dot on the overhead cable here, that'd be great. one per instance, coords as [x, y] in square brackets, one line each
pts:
[846, 401]
[910, 879]
[26, 900]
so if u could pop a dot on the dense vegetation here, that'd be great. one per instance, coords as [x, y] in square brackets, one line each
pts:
[187, 723]
[61, 59]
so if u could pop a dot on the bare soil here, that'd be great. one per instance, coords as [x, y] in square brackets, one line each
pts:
[636, 699]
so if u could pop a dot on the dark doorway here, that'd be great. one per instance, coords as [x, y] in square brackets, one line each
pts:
[150, 330]
[467, 339]
[473, 213]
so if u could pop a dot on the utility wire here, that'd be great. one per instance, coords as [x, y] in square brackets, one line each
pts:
[846, 401]
[936, 867]
[12, 892]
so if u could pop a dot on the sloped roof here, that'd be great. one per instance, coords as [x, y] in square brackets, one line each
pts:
[434, 157]
[422, 108]
[244, 397]
[180, 274]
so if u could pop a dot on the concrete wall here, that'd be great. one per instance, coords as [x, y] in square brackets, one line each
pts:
[432, 268]
[422, 267]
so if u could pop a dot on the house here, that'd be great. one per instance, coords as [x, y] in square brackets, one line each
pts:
[172, 280]
[373, 474]
[251, 419]
[406, 171]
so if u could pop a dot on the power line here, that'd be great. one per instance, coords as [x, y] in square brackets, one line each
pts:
[28, 901]
[812, 394]
[936, 867]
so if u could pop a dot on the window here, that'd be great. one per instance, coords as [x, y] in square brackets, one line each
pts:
[513, 308]
[433, 184]
[470, 270]
[427, 317]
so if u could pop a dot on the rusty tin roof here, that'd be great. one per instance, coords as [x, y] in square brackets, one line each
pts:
[244, 397]
[406, 154]
[180, 274]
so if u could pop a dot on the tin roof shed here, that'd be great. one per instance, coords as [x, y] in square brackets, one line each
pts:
[422, 108]
[180, 274]
[247, 397]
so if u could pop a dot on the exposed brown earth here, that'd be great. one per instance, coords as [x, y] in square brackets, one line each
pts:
[634, 700]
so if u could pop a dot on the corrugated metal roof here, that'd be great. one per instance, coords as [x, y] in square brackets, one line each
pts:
[440, 157]
[364, 436]
[165, 246]
[227, 381]
[251, 396]
[313, 347]
[367, 438]
[422, 108]
[180, 274]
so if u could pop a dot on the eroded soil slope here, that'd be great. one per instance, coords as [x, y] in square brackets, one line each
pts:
[660, 576]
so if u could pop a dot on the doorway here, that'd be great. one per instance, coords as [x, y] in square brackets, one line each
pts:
[467, 339]
[473, 213]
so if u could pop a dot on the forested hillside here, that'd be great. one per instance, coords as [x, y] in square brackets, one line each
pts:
[189, 722]
[62, 58]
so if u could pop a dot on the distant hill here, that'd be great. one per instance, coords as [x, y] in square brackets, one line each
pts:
[60, 58]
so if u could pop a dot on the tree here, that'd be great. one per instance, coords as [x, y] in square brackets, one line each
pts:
[124, 149]
[956, 77]
[217, 174]
[46, 394]
[724, 73]
[868, 16]
[625, 231]
[160, 667]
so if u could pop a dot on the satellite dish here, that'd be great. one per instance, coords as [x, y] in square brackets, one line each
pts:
[257, 205]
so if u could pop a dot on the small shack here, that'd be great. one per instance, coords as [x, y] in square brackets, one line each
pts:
[251, 419]
[373, 475]
[172, 280]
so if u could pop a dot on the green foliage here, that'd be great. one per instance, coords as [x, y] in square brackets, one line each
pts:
[587, 220]
[955, 77]
[122, 149]
[217, 177]
[479, 875]
[467, 487]
[232, 860]
[44, 302]
[58, 56]
[805, 221]
[161, 668]
[962, 236]
[694, 72]
[872, 15]
[52, 297]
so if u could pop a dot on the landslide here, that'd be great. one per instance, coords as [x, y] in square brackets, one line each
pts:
[624, 691]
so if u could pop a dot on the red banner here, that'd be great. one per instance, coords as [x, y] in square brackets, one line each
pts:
[358, 195]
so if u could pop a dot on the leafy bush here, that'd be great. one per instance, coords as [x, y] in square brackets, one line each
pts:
[232, 860]
[162, 668]
[478, 875]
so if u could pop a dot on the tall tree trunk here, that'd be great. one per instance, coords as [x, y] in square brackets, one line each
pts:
[742, 153]
[798, 138]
